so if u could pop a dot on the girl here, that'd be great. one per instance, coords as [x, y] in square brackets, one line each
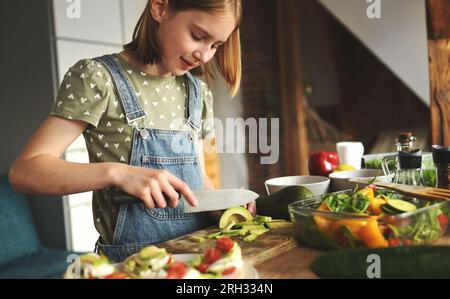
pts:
[126, 106]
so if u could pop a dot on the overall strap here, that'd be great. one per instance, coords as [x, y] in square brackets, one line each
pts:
[194, 114]
[130, 103]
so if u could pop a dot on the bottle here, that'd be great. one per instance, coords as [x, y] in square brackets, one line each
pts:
[409, 168]
[405, 142]
[441, 159]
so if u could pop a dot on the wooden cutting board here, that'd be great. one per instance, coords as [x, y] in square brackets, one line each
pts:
[265, 247]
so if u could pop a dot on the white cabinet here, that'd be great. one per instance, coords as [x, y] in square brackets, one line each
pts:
[69, 52]
[98, 21]
[82, 235]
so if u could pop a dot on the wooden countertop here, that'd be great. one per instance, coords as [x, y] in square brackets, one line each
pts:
[294, 264]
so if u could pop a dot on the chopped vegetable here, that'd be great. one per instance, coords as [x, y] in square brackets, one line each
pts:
[375, 223]
[250, 228]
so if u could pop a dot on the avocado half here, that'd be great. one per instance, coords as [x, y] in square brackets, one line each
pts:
[276, 204]
[236, 214]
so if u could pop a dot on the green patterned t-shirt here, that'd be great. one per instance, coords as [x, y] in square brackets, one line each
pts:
[87, 93]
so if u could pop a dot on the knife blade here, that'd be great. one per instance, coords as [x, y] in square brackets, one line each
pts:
[208, 200]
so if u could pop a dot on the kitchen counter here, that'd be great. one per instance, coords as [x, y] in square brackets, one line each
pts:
[292, 264]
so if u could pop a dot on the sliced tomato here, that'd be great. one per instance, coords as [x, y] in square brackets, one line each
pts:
[407, 242]
[443, 221]
[117, 275]
[202, 267]
[395, 242]
[212, 255]
[225, 244]
[229, 270]
[177, 270]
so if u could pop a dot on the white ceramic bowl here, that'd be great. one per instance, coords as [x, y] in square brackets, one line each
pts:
[340, 179]
[318, 185]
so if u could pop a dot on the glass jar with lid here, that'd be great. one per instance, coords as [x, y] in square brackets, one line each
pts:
[409, 168]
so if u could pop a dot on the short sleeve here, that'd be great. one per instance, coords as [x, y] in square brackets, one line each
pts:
[84, 93]
[207, 113]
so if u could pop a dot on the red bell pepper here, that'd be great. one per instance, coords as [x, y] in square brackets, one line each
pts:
[443, 221]
[322, 163]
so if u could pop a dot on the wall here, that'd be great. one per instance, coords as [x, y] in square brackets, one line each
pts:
[398, 38]
[319, 69]
[233, 169]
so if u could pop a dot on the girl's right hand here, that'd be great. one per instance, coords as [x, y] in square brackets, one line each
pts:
[150, 185]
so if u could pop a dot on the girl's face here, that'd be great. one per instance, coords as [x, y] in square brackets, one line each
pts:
[190, 38]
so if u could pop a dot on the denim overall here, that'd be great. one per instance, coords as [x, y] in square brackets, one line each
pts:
[138, 226]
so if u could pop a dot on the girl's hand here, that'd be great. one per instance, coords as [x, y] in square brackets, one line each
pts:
[150, 185]
[251, 207]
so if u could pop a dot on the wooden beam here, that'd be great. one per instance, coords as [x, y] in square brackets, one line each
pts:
[438, 22]
[295, 139]
[438, 16]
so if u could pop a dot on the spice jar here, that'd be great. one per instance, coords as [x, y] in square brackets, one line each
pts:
[441, 159]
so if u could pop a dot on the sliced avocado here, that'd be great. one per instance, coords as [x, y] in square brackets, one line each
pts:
[245, 223]
[253, 226]
[279, 224]
[262, 219]
[151, 252]
[276, 204]
[196, 261]
[213, 235]
[229, 226]
[233, 232]
[197, 239]
[93, 259]
[401, 205]
[259, 231]
[251, 237]
[276, 220]
[236, 214]
[131, 264]
[254, 234]
[389, 210]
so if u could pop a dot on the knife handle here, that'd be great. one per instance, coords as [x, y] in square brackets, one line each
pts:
[119, 197]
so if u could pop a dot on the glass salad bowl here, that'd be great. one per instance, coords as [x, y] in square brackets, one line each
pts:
[368, 217]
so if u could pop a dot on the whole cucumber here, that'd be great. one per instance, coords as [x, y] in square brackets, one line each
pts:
[395, 262]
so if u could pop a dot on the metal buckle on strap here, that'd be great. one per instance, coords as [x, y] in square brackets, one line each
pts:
[129, 120]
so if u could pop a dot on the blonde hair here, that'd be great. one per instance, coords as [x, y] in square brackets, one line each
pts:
[144, 44]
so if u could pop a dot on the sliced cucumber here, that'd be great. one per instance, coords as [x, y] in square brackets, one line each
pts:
[401, 205]
[348, 234]
[279, 224]
[389, 210]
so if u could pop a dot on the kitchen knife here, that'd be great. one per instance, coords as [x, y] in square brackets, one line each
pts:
[208, 200]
